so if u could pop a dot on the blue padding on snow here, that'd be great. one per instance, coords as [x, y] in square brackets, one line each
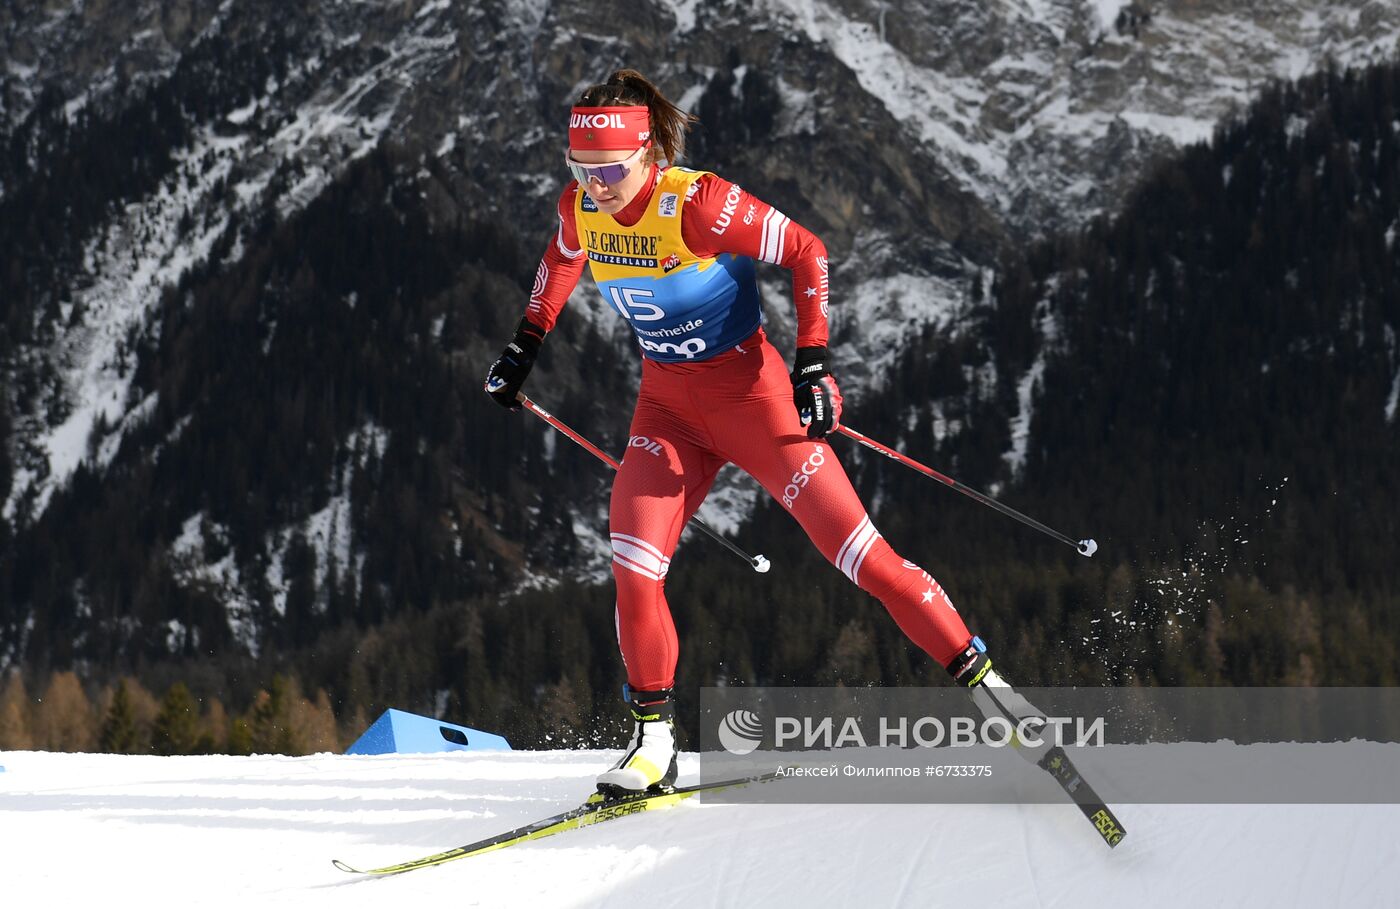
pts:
[400, 732]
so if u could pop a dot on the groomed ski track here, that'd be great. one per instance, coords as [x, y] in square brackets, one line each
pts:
[260, 831]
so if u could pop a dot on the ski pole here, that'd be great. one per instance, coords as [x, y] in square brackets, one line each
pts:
[759, 563]
[1084, 547]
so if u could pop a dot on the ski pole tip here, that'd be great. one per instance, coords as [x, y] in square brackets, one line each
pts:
[761, 564]
[1087, 548]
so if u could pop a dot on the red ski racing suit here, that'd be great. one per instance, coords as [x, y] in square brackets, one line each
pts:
[677, 263]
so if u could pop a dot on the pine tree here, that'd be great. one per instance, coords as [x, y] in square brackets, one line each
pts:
[176, 729]
[120, 732]
[240, 736]
[64, 720]
[214, 729]
[851, 659]
[315, 724]
[272, 726]
[560, 710]
[16, 729]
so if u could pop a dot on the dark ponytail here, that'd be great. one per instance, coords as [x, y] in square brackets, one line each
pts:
[669, 123]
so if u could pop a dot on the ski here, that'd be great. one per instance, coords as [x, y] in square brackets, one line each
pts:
[597, 810]
[995, 698]
[1058, 765]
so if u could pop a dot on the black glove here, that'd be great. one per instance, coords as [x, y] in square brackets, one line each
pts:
[814, 392]
[507, 374]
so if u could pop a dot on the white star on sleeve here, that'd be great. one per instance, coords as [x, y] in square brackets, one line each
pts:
[811, 291]
[928, 595]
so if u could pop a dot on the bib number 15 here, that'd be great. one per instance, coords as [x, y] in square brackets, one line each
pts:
[632, 303]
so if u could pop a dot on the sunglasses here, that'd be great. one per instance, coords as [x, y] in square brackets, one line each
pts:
[607, 174]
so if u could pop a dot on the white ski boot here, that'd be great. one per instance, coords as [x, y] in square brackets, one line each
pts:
[998, 700]
[650, 759]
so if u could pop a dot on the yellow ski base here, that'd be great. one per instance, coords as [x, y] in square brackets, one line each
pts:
[596, 810]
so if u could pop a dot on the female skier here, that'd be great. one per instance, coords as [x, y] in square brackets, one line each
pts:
[672, 250]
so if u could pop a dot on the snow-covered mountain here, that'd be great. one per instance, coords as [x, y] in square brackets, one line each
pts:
[923, 141]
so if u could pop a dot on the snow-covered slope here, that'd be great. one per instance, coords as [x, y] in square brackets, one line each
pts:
[81, 829]
[1047, 109]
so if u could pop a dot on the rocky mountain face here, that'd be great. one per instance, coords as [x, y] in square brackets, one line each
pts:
[189, 181]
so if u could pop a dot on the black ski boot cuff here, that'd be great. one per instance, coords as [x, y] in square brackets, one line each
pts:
[649, 706]
[969, 667]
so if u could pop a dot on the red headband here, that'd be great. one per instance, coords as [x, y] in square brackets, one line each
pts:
[609, 128]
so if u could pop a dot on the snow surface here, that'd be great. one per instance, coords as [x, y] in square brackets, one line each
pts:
[83, 829]
[1108, 11]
